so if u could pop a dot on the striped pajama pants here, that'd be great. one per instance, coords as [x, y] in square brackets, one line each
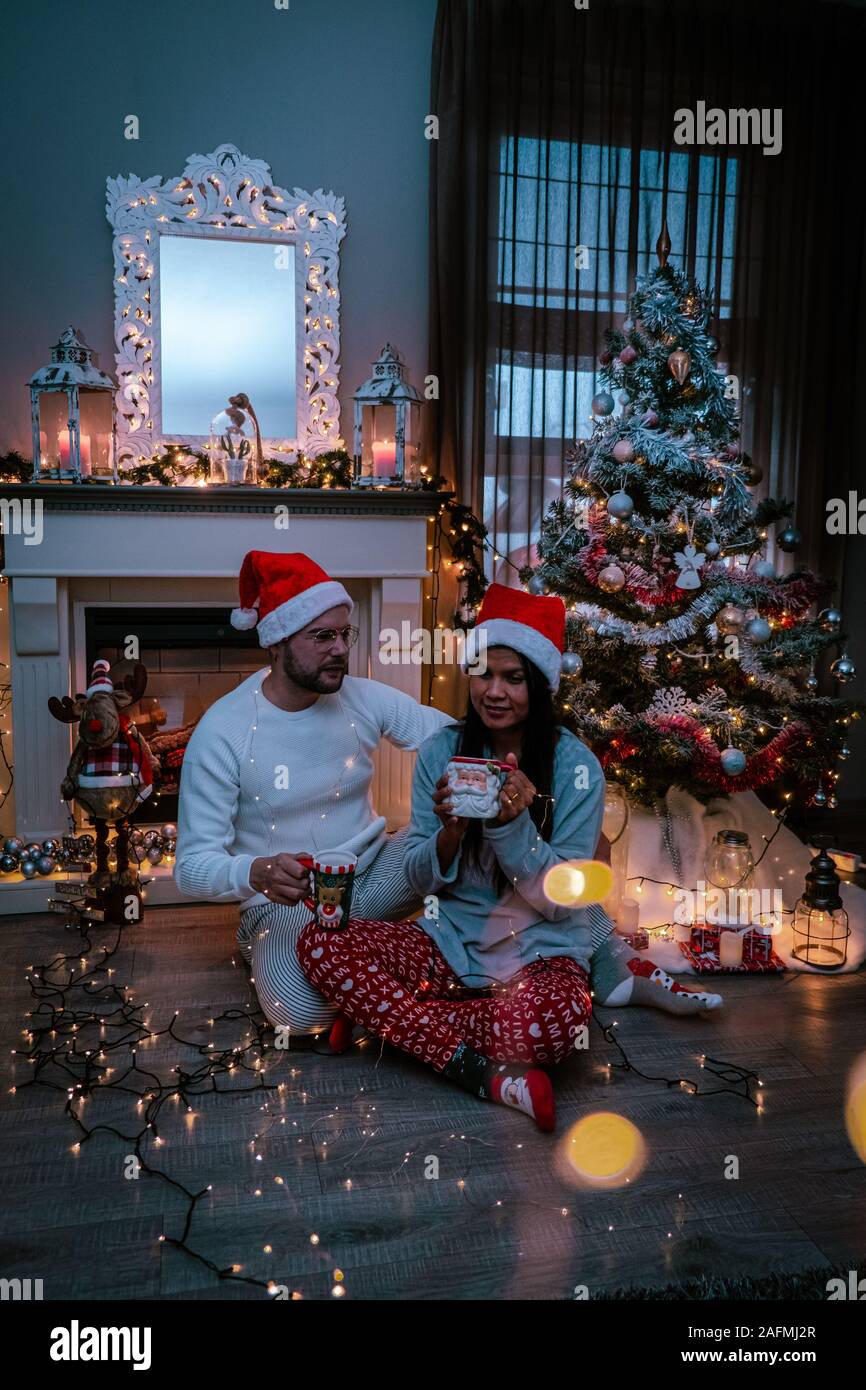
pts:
[268, 938]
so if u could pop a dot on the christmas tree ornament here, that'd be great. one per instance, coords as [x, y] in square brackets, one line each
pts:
[732, 450]
[611, 579]
[649, 419]
[151, 838]
[602, 404]
[85, 845]
[689, 562]
[675, 665]
[712, 549]
[844, 752]
[45, 864]
[764, 569]
[789, 539]
[623, 451]
[8, 863]
[169, 831]
[572, 663]
[624, 398]
[820, 925]
[605, 358]
[680, 363]
[28, 868]
[712, 343]
[537, 585]
[620, 505]
[13, 845]
[628, 355]
[832, 801]
[730, 619]
[154, 854]
[32, 851]
[50, 846]
[628, 325]
[758, 630]
[820, 797]
[829, 620]
[752, 472]
[811, 681]
[843, 669]
[733, 761]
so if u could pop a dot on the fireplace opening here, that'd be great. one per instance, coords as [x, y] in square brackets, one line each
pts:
[193, 657]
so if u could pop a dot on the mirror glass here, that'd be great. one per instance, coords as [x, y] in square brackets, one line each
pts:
[227, 324]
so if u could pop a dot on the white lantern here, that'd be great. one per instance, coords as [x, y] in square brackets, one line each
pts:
[72, 413]
[387, 442]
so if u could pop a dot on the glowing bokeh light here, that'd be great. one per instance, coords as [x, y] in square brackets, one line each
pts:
[578, 882]
[603, 1150]
[855, 1107]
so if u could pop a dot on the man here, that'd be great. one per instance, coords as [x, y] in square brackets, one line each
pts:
[282, 766]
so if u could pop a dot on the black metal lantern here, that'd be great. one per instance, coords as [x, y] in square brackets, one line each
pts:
[821, 927]
[72, 413]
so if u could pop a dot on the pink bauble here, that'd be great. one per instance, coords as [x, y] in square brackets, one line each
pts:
[623, 451]
[650, 420]
[604, 358]
[628, 355]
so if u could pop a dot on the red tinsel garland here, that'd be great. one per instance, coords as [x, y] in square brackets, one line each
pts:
[761, 768]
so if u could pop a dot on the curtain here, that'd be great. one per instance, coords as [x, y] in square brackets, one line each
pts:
[554, 164]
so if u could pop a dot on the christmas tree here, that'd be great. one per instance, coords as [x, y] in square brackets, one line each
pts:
[691, 661]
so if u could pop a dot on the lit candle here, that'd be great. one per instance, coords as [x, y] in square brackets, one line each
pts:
[384, 458]
[730, 949]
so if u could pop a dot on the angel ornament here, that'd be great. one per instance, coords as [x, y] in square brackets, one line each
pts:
[689, 562]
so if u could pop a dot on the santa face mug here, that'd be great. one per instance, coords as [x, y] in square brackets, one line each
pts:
[333, 876]
[475, 784]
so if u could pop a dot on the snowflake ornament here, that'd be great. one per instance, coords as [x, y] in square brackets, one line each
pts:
[672, 700]
[689, 563]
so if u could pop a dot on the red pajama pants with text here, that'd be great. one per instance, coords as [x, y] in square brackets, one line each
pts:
[392, 978]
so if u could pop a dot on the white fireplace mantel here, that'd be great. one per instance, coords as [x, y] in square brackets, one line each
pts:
[172, 546]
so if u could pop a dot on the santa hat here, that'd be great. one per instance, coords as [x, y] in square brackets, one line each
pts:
[100, 681]
[531, 624]
[280, 594]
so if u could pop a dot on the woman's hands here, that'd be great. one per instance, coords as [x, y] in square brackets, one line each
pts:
[517, 793]
[456, 825]
[281, 877]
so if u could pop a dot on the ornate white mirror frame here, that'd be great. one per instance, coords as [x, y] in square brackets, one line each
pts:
[223, 194]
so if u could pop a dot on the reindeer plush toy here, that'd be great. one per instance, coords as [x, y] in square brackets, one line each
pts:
[109, 774]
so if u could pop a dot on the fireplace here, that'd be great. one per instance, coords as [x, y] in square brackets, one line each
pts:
[165, 570]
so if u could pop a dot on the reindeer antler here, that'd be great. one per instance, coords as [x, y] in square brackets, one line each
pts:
[65, 710]
[135, 682]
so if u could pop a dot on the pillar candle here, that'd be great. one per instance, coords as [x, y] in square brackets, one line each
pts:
[384, 458]
[730, 949]
[629, 917]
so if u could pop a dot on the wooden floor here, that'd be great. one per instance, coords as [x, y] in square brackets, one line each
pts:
[515, 1228]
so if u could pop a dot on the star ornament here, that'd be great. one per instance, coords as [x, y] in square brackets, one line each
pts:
[689, 563]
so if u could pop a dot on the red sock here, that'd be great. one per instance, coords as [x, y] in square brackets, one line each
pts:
[530, 1091]
[340, 1036]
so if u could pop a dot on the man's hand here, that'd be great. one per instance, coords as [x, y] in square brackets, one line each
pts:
[517, 793]
[281, 877]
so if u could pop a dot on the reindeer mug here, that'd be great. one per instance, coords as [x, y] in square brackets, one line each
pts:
[333, 876]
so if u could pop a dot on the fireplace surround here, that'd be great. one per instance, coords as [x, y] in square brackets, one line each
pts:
[165, 560]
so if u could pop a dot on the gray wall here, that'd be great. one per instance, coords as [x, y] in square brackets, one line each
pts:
[332, 95]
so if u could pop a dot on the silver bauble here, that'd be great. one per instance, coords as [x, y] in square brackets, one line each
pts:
[169, 831]
[820, 797]
[611, 579]
[620, 505]
[844, 752]
[28, 868]
[758, 630]
[151, 837]
[764, 569]
[571, 663]
[8, 863]
[843, 669]
[602, 404]
[712, 549]
[45, 864]
[829, 620]
[712, 343]
[33, 851]
[789, 539]
[136, 837]
[13, 845]
[154, 854]
[537, 585]
[50, 846]
[811, 681]
[733, 761]
[730, 619]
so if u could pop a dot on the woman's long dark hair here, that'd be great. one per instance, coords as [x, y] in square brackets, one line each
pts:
[535, 759]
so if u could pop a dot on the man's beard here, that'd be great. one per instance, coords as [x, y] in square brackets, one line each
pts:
[323, 682]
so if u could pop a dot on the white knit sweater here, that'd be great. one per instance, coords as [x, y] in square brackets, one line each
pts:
[259, 780]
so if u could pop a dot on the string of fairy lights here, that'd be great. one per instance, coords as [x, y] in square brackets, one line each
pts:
[88, 1034]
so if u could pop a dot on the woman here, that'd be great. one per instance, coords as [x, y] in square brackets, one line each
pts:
[488, 920]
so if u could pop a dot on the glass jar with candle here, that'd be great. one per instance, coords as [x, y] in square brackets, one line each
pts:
[729, 861]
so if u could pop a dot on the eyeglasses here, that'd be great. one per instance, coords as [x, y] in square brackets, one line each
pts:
[325, 637]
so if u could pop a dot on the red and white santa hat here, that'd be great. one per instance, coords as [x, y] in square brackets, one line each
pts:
[532, 624]
[100, 681]
[280, 594]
